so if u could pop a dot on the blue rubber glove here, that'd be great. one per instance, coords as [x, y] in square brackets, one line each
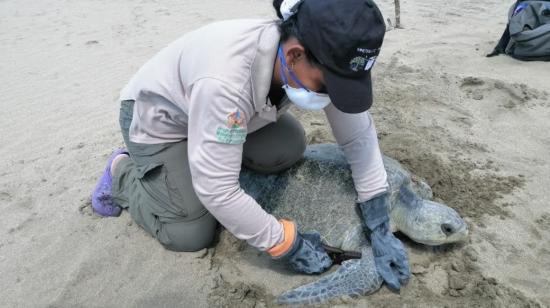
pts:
[305, 254]
[308, 255]
[389, 253]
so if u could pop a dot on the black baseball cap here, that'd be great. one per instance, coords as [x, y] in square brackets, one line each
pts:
[345, 36]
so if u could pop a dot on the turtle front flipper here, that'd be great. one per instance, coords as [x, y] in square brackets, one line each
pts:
[354, 278]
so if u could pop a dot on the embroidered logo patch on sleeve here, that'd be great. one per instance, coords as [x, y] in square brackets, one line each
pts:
[234, 132]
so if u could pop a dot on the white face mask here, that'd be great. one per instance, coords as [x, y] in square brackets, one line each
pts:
[303, 97]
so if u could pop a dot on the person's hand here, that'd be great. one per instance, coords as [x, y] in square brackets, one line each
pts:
[390, 257]
[389, 253]
[302, 252]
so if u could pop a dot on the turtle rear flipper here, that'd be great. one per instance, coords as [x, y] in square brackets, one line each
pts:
[354, 278]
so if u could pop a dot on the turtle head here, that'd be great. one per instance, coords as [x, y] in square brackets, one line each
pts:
[429, 222]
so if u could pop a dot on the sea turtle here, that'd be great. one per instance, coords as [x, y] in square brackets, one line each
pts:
[318, 194]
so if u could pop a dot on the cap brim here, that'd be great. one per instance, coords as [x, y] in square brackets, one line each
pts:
[349, 95]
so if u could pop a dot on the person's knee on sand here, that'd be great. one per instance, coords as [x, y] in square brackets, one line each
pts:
[276, 146]
[188, 236]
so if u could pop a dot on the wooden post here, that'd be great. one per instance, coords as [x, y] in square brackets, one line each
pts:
[397, 14]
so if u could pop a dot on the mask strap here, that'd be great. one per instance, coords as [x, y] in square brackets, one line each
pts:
[290, 72]
[283, 64]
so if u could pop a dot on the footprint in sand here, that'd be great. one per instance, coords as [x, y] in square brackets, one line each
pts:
[85, 208]
[543, 222]
[5, 196]
[473, 87]
[508, 95]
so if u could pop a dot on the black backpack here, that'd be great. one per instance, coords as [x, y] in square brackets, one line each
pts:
[527, 34]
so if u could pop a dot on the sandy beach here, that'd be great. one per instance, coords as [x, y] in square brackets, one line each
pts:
[475, 128]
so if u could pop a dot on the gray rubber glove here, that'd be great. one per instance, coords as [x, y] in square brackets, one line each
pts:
[389, 254]
[304, 254]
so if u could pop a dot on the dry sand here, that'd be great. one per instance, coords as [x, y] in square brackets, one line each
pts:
[475, 128]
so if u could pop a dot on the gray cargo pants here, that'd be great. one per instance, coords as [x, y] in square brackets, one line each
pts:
[155, 184]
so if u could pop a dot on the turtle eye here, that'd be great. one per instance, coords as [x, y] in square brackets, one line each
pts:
[447, 229]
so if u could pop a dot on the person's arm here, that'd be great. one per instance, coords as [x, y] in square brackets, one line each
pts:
[218, 116]
[356, 135]
[217, 130]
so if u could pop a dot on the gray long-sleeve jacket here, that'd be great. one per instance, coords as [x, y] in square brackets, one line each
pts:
[211, 87]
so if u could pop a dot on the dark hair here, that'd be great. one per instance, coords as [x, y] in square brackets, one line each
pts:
[289, 28]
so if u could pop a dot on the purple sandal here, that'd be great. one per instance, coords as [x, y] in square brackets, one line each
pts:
[102, 198]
